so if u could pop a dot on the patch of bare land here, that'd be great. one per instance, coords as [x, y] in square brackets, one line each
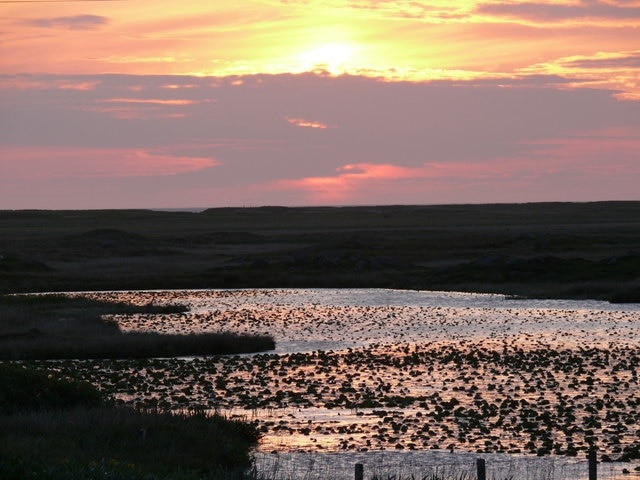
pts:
[563, 250]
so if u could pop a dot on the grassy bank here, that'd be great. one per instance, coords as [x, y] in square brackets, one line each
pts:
[52, 427]
[61, 429]
[57, 327]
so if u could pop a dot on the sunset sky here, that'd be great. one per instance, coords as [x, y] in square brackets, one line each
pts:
[165, 104]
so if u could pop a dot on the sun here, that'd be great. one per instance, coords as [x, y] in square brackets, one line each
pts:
[332, 57]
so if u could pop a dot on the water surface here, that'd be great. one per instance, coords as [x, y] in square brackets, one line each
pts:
[404, 379]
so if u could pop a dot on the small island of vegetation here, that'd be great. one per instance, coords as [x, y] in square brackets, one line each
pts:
[61, 327]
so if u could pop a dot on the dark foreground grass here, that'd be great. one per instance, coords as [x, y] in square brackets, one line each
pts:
[58, 327]
[53, 428]
[26, 390]
[120, 439]
[60, 429]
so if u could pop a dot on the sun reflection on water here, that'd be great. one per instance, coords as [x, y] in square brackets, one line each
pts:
[367, 371]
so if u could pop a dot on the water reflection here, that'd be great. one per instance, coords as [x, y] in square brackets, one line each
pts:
[390, 371]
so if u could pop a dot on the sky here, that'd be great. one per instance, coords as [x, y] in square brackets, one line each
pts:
[192, 104]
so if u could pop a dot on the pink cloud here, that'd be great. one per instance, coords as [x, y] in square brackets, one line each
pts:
[440, 142]
[541, 170]
[56, 162]
[151, 101]
[141, 108]
[133, 113]
[352, 180]
[606, 152]
[26, 82]
[75, 22]
[592, 10]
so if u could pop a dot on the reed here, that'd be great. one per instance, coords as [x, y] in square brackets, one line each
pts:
[66, 432]
[133, 345]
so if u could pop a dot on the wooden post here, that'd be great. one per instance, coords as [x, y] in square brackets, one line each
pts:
[359, 471]
[481, 468]
[593, 464]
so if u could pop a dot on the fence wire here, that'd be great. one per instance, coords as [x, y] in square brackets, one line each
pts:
[431, 465]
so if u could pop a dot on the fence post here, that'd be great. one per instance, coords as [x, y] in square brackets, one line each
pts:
[481, 468]
[359, 471]
[593, 464]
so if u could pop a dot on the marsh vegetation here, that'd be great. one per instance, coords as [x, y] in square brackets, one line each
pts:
[53, 428]
[367, 371]
[553, 250]
[61, 326]
[554, 391]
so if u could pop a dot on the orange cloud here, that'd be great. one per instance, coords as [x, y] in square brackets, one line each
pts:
[52, 162]
[174, 86]
[394, 40]
[301, 122]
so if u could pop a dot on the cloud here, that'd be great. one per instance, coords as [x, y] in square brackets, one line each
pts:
[610, 61]
[142, 108]
[28, 82]
[301, 122]
[353, 183]
[150, 101]
[606, 152]
[120, 59]
[411, 10]
[554, 12]
[75, 22]
[347, 182]
[56, 1]
[72, 162]
[418, 122]
[251, 140]
[593, 158]
[608, 70]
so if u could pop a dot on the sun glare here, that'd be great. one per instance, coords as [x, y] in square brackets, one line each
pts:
[333, 57]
